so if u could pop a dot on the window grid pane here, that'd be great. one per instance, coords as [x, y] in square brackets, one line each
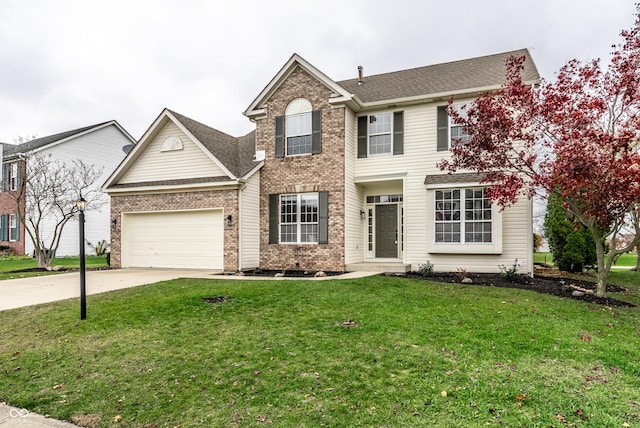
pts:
[476, 218]
[299, 218]
[477, 212]
[380, 133]
[298, 129]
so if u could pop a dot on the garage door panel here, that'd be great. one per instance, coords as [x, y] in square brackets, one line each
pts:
[184, 239]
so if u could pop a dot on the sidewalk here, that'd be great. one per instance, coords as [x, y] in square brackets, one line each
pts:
[12, 417]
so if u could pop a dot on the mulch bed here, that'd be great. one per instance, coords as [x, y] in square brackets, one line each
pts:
[561, 287]
[287, 273]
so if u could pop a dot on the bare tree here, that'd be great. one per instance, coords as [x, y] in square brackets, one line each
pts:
[46, 199]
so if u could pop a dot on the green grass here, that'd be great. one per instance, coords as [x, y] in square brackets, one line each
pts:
[13, 263]
[624, 261]
[276, 354]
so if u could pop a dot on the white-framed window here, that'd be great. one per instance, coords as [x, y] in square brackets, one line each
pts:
[456, 132]
[380, 133]
[463, 216]
[298, 127]
[13, 228]
[13, 176]
[299, 218]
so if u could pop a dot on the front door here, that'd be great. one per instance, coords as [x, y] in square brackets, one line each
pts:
[387, 231]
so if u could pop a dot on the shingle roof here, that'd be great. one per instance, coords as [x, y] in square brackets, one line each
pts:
[439, 78]
[464, 177]
[236, 154]
[12, 149]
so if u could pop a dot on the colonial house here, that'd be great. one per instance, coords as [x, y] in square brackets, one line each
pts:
[103, 145]
[338, 175]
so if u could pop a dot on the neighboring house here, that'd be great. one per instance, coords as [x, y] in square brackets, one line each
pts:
[344, 178]
[103, 145]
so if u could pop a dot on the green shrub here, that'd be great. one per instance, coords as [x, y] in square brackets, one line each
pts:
[570, 243]
[425, 269]
[510, 273]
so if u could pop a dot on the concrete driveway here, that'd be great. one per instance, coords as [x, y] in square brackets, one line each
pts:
[16, 293]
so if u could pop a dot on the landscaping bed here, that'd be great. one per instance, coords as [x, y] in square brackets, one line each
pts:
[556, 286]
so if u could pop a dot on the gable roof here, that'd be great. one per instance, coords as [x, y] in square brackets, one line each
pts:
[467, 74]
[236, 154]
[39, 143]
[435, 82]
[256, 108]
[233, 155]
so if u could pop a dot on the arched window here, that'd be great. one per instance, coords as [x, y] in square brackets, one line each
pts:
[298, 127]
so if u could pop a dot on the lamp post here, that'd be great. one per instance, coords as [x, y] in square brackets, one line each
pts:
[81, 205]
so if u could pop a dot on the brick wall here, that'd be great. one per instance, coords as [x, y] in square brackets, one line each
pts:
[226, 199]
[309, 173]
[8, 206]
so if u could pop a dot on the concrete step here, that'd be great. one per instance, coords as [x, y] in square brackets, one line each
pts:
[394, 267]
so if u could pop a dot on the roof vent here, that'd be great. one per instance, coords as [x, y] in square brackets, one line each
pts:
[360, 82]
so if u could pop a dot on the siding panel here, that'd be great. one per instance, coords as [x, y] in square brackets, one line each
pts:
[155, 165]
[250, 223]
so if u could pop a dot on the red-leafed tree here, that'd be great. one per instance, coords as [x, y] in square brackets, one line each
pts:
[576, 136]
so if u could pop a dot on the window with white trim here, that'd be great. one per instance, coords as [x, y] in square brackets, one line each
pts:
[13, 228]
[380, 133]
[456, 132]
[298, 127]
[13, 176]
[463, 216]
[299, 218]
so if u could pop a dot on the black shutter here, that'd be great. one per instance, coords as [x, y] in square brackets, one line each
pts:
[280, 136]
[362, 137]
[316, 132]
[443, 129]
[5, 177]
[274, 216]
[323, 217]
[4, 227]
[398, 133]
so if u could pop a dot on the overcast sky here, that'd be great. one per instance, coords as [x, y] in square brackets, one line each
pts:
[66, 64]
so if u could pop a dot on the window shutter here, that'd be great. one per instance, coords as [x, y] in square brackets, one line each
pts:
[443, 129]
[323, 217]
[274, 216]
[398, 133]
[316, 132]
[4, 227]
[5, 177]
[280, 136]
[362, 137]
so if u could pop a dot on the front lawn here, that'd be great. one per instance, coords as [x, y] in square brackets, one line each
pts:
[10, 264]
[376, 351]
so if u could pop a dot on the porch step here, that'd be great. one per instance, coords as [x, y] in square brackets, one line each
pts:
[379, 267]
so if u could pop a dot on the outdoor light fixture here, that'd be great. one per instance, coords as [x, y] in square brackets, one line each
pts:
[114, 222]
[363, 215]
[229, 220]
[81, 204]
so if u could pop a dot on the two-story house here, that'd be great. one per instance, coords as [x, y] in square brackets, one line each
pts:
[103, 145]
[344, 177]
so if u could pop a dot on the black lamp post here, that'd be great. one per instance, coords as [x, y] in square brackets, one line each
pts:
[81, 204]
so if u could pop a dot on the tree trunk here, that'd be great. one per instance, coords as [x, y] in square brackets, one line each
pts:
[44, 258]
[637, 268]
[603, 272]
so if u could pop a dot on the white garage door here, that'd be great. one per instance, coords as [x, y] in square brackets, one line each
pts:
[181, 239]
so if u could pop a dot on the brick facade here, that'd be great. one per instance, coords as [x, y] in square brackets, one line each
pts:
[225, 199]
[308, 173]
[8, 206]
